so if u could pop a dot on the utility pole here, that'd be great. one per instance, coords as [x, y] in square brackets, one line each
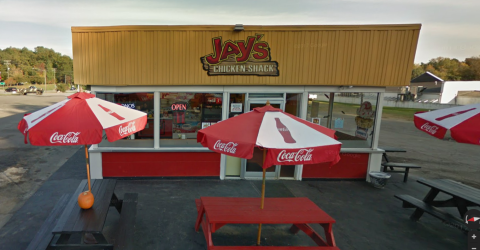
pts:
[7, 62]
[45, 75]
[54, 80]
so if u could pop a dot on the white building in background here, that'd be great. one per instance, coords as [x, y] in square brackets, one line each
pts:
[450, 92]
[431, 88]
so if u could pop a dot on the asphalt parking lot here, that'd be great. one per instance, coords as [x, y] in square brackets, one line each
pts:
[24, 168]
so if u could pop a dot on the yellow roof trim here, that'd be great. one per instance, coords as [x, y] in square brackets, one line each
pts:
[247, 27]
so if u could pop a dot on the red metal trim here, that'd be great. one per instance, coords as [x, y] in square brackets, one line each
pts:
[160, 164]
[350, 166]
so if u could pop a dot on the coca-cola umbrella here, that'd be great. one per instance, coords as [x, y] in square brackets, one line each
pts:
[286, 140]
[460, 123]
[80, 120]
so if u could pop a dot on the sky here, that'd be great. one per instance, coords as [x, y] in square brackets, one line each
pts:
[449, 28]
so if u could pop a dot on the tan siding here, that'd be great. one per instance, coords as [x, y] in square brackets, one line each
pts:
[367, 55]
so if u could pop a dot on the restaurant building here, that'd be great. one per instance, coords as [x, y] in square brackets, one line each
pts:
[190, 77]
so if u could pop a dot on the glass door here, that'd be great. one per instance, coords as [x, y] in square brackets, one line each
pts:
[253, 167]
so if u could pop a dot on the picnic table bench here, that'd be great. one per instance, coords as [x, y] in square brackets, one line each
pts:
[387, 164]
[462, 197]
[406, 166]
[67, 219]
[300, 212]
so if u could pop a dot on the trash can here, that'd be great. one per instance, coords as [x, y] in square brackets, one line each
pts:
[379, 179]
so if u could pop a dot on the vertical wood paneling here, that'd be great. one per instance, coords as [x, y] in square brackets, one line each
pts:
[413, 48]
[77, 67]
[169, 56]
[405, 57]
[320, 74]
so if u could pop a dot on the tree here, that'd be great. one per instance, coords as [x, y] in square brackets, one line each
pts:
[24, 60]
[10, 81]
[417, 71]
[472, 71]
[450, 69]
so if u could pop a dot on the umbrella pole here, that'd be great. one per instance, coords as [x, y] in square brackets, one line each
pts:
[262, 199]
[88, 169]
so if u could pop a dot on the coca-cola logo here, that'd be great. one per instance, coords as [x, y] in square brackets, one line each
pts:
[130, 128]
[301, 155]
[70, 137]
[227, 147]
[432, 129]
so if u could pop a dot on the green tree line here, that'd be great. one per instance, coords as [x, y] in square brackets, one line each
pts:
[450, 69]
[24, 65]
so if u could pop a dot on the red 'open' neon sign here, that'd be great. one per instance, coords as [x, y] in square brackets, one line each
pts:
[179, 106]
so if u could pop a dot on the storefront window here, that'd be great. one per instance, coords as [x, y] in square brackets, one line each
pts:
[139, 101]
[233, 165]
[352, 115]
[183, 114]
[292, 104]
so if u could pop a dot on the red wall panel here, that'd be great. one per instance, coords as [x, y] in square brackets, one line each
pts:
[160, 164]
[351, 166]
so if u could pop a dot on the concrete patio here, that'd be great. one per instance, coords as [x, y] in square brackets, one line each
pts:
[366, 217]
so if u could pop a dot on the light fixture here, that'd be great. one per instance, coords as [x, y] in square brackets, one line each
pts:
[344, 87]
[238, 27]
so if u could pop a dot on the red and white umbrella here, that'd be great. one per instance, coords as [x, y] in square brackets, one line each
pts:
[462, 123]
[286, 140]
[80, 120]
[289, 140]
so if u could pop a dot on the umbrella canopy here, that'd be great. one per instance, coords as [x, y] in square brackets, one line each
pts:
[290, 140]
[80, 120]
[462, 122]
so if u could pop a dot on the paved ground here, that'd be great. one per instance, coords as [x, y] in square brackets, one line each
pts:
[438, 158]
[366, 217]
[23, 167]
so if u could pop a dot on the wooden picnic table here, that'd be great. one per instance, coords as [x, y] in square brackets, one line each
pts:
[462, 197]
[299, 212]
[89, 222]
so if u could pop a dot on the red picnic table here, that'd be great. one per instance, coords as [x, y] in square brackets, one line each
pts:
[300, 212]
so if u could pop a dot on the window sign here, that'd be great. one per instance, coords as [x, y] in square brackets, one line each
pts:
[361, 133]
[338, 123]
[316, 120]
[236, 107]
[128, 105]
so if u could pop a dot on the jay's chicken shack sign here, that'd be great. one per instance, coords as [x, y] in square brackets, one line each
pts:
[250, 57]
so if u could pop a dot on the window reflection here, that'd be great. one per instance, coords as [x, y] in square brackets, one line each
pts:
[351, 115]
[182, 114]
[139, 101]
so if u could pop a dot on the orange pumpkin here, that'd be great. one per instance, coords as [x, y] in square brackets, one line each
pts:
[85, 200]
